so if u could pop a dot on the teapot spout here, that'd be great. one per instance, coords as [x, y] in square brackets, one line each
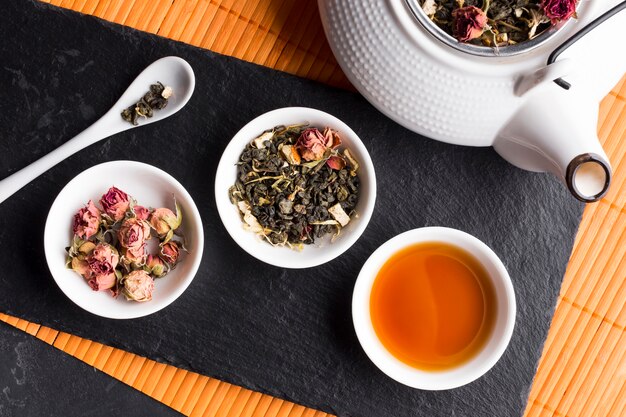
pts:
[555, 131]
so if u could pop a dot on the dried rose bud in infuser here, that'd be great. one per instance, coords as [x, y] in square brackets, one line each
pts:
[558, 10]
[468, 23]
[115, 203]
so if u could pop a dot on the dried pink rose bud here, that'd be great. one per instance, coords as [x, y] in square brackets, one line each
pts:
[138, 286]
[468, 23]
[156, 266]
[82, 267]
[102, 282]
[86, 248]
[79, 258]
[163, 220]
[332, 138]
[558, 10]
[136, 255]
[170, 252]
[141, 212]
[115, 203]
[133, 233]
[87, 221]
[311, 144]
[336, 162]
[103, 259]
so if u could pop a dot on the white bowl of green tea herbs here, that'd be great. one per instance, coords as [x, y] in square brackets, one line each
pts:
[295, 187]
[123, 239]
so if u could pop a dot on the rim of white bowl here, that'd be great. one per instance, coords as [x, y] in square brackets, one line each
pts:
[284, 257]
[466, 372]
[155, 304]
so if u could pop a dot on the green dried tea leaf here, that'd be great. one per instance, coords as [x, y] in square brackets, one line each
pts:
[155, 99]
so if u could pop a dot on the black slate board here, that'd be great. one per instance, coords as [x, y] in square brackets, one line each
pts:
[30, 376]
[286, 333]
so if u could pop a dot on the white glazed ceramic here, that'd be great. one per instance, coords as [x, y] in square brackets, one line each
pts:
[311, 255]
[509, 102]
[171, 71]
[465, 373]
[151, 187]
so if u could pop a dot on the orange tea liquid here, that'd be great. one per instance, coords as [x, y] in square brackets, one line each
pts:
[433, 306]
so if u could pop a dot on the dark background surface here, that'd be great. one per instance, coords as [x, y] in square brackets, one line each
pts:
[40, 381]
[282, 332]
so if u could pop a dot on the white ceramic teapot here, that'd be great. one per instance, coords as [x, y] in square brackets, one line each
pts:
[422, 78]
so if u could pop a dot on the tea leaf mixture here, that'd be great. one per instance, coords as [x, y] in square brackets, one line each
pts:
[294, 185]
[497, 23]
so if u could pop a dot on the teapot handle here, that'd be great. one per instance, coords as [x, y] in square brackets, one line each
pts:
[577, 36]
[543, 75]
[556, 70]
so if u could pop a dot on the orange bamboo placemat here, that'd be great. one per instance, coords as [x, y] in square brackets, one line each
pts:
[582, 371]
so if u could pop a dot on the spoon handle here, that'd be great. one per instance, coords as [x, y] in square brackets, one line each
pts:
[101, 129]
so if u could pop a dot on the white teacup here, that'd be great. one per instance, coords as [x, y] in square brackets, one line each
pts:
[466, 372]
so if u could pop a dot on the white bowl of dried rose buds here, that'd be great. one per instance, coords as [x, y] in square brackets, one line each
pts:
[123, 239]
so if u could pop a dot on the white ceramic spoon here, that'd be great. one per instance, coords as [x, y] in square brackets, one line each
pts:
[171, 71]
